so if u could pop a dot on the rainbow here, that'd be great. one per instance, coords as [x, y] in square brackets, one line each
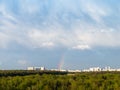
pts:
[61, 63]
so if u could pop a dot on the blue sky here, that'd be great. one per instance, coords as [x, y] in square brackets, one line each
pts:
[70, 34]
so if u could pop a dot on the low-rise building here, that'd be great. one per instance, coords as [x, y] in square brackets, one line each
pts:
[95, 69]
[36, 68]
[30, 68]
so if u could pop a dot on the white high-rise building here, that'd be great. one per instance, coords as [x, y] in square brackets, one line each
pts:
[42, 68]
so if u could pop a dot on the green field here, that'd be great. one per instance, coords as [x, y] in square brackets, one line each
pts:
[47, 80]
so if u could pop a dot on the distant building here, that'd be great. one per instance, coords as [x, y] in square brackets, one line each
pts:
[85, 70]
[30, 68]
[36, 68]
[117, 69]
[95, 69]
[74, 70]
[107, 69]
[54, 69]
[62, 70]
[42, 68]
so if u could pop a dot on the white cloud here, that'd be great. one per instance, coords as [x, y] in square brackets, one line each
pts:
[81, 47]
[4, 40]
[94, 36]
[40, 38]
[6, 15]
[80, 37]
[95, 11]
[82, 34]
[29, 7]
[48, 44]
[22, 62]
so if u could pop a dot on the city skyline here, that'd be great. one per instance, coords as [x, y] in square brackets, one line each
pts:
[67, 34]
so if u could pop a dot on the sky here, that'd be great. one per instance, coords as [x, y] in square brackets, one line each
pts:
[66, 34]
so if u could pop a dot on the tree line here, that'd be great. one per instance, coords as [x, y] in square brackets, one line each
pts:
[66, 81]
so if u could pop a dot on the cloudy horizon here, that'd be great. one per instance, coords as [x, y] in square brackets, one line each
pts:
[42, 32]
